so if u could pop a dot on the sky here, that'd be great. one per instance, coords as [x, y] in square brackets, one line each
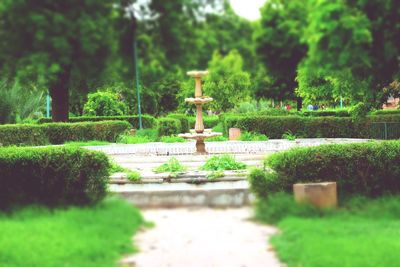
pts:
[248, 9]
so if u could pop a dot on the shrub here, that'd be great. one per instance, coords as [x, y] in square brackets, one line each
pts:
[168, 126]
[58, 133]
[308, 127]
[249, 136]
[386, 112]
[172, 166]
[209, 121]
[325, 113]
[52, 176]
[147, 120]
[104, 104]
[184, 120]
[359, 111]
[221, 163]
[369, 169]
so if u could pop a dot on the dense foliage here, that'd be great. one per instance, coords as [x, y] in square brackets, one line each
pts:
[327, 50]
[369, 169]
[104, 104]
[52, 176]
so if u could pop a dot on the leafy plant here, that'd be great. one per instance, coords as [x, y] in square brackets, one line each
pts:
[250, 136]
[133, 139]
[214, 175]
[133, 176]
[223, 162]
[104, 104]
[288, 135]
[173, 166]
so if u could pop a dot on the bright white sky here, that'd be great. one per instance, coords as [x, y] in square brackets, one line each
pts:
[249, 9]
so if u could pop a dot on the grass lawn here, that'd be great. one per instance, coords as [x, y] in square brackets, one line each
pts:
[343, 241]
[362, 233]
[79, 237]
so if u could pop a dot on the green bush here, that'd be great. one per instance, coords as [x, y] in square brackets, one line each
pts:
[386, 112]
[52, 176]
[370, 169]
[249, 136]
[147, 120]
[59, 133]
[168, 126]
[172, 166]
[359, 111]
[308, 127]
[104, 104]
[325, 113]
[184, 119]
[209, 121]
[223, 162]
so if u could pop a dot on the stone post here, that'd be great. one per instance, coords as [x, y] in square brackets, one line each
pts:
[321, 195]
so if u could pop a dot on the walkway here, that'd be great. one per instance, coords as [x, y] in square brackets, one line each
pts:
[203, 238]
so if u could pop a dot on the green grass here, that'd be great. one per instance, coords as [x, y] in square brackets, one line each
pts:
[84, 237]
[249, 136]
[87, 143]
[361, 233]
[172, 139]
[223, 162]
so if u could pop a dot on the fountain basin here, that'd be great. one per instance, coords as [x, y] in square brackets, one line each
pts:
[198, 100]
[199, 136]
[197, 73]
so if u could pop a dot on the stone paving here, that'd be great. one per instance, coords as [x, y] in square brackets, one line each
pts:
[203, 238]
[231, 147]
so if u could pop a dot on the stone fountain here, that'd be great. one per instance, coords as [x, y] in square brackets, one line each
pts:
[199, 133]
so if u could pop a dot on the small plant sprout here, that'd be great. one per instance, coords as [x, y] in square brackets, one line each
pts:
[288, 135]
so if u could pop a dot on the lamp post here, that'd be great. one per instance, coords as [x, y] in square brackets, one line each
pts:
[47, 105]
[137, 82]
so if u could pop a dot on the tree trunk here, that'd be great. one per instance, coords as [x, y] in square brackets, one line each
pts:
[59, 92]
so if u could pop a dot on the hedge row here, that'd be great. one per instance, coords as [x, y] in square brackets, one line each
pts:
[147, 120]
[58, 133]
[52, 176]
[386, 112]
[168, 126]
[371, 169]
[309, 127]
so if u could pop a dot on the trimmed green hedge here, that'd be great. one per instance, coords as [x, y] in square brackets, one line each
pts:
[147, 120]
[309, 127]
[52, 176]
[325, 113]
[58, 133]
[209, 121]
[371, 169]
[168, 126]
[386, 112]
[184, 120]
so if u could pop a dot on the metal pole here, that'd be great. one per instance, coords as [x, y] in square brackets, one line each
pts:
[341, 102]
[137, 83]
[48, 106]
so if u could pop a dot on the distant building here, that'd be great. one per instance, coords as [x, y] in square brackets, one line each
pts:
[391, 103]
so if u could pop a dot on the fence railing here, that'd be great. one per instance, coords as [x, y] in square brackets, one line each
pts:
[385, 130]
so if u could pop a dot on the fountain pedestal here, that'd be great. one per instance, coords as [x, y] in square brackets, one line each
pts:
[199, 100]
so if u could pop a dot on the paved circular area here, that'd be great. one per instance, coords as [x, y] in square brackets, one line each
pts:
[203, 238]
[232, 147]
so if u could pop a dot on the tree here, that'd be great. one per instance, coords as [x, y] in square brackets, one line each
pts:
[278, 43]
[55, 42]
[227, 83]
[337, 63]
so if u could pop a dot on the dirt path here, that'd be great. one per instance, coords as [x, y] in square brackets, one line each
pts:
[203, 238]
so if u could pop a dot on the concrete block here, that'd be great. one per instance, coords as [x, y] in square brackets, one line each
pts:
[321, 195]
[234, 134]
